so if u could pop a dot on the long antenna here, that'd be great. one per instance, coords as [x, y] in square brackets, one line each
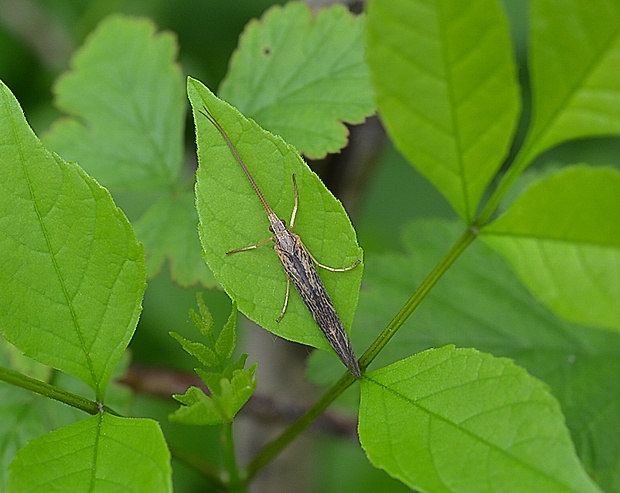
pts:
[210, 117]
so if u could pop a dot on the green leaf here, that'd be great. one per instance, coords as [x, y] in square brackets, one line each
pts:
[574, 52]
[203, 320]
[198, 350]
[228, 397]
[225, 343]
[218, 350]
[100, 453]
[212, 379]
[302, 76]
[25, 415]
[231, 216]
[72, 270]
[481, 303]
[125, 97]
[457, 420]
[235, 392]
[197, 409]
[562, 238]
[168, 230]
[446, 89]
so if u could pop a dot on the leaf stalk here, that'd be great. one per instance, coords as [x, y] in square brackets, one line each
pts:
[48, 390]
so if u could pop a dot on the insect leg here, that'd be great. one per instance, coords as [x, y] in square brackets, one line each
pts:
[251, 247]
[292, 224]
[294, 213]
[288, 291]
[334, 269]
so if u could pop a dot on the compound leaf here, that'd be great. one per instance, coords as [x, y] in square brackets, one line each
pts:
[481, 303]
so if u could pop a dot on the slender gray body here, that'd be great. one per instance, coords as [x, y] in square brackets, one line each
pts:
[299, 264]
[299, 267]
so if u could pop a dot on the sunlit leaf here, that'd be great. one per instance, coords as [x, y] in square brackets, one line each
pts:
[72, 272]
[563, 240]
[101, 453]
[457, 420]
[446, 89]
[231, 216]
[574, 51]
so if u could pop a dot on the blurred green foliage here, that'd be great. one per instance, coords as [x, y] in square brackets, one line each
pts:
[37, 39]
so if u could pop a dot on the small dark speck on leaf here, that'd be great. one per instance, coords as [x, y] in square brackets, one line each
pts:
[266, 51]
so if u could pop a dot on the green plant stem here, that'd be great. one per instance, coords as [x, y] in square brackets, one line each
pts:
[521, 161]
[277, 445]
[273, 448]
[47, 390]
[230, 459]
[416, 298]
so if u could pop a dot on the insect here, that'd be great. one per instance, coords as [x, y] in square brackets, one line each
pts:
[298, 263]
